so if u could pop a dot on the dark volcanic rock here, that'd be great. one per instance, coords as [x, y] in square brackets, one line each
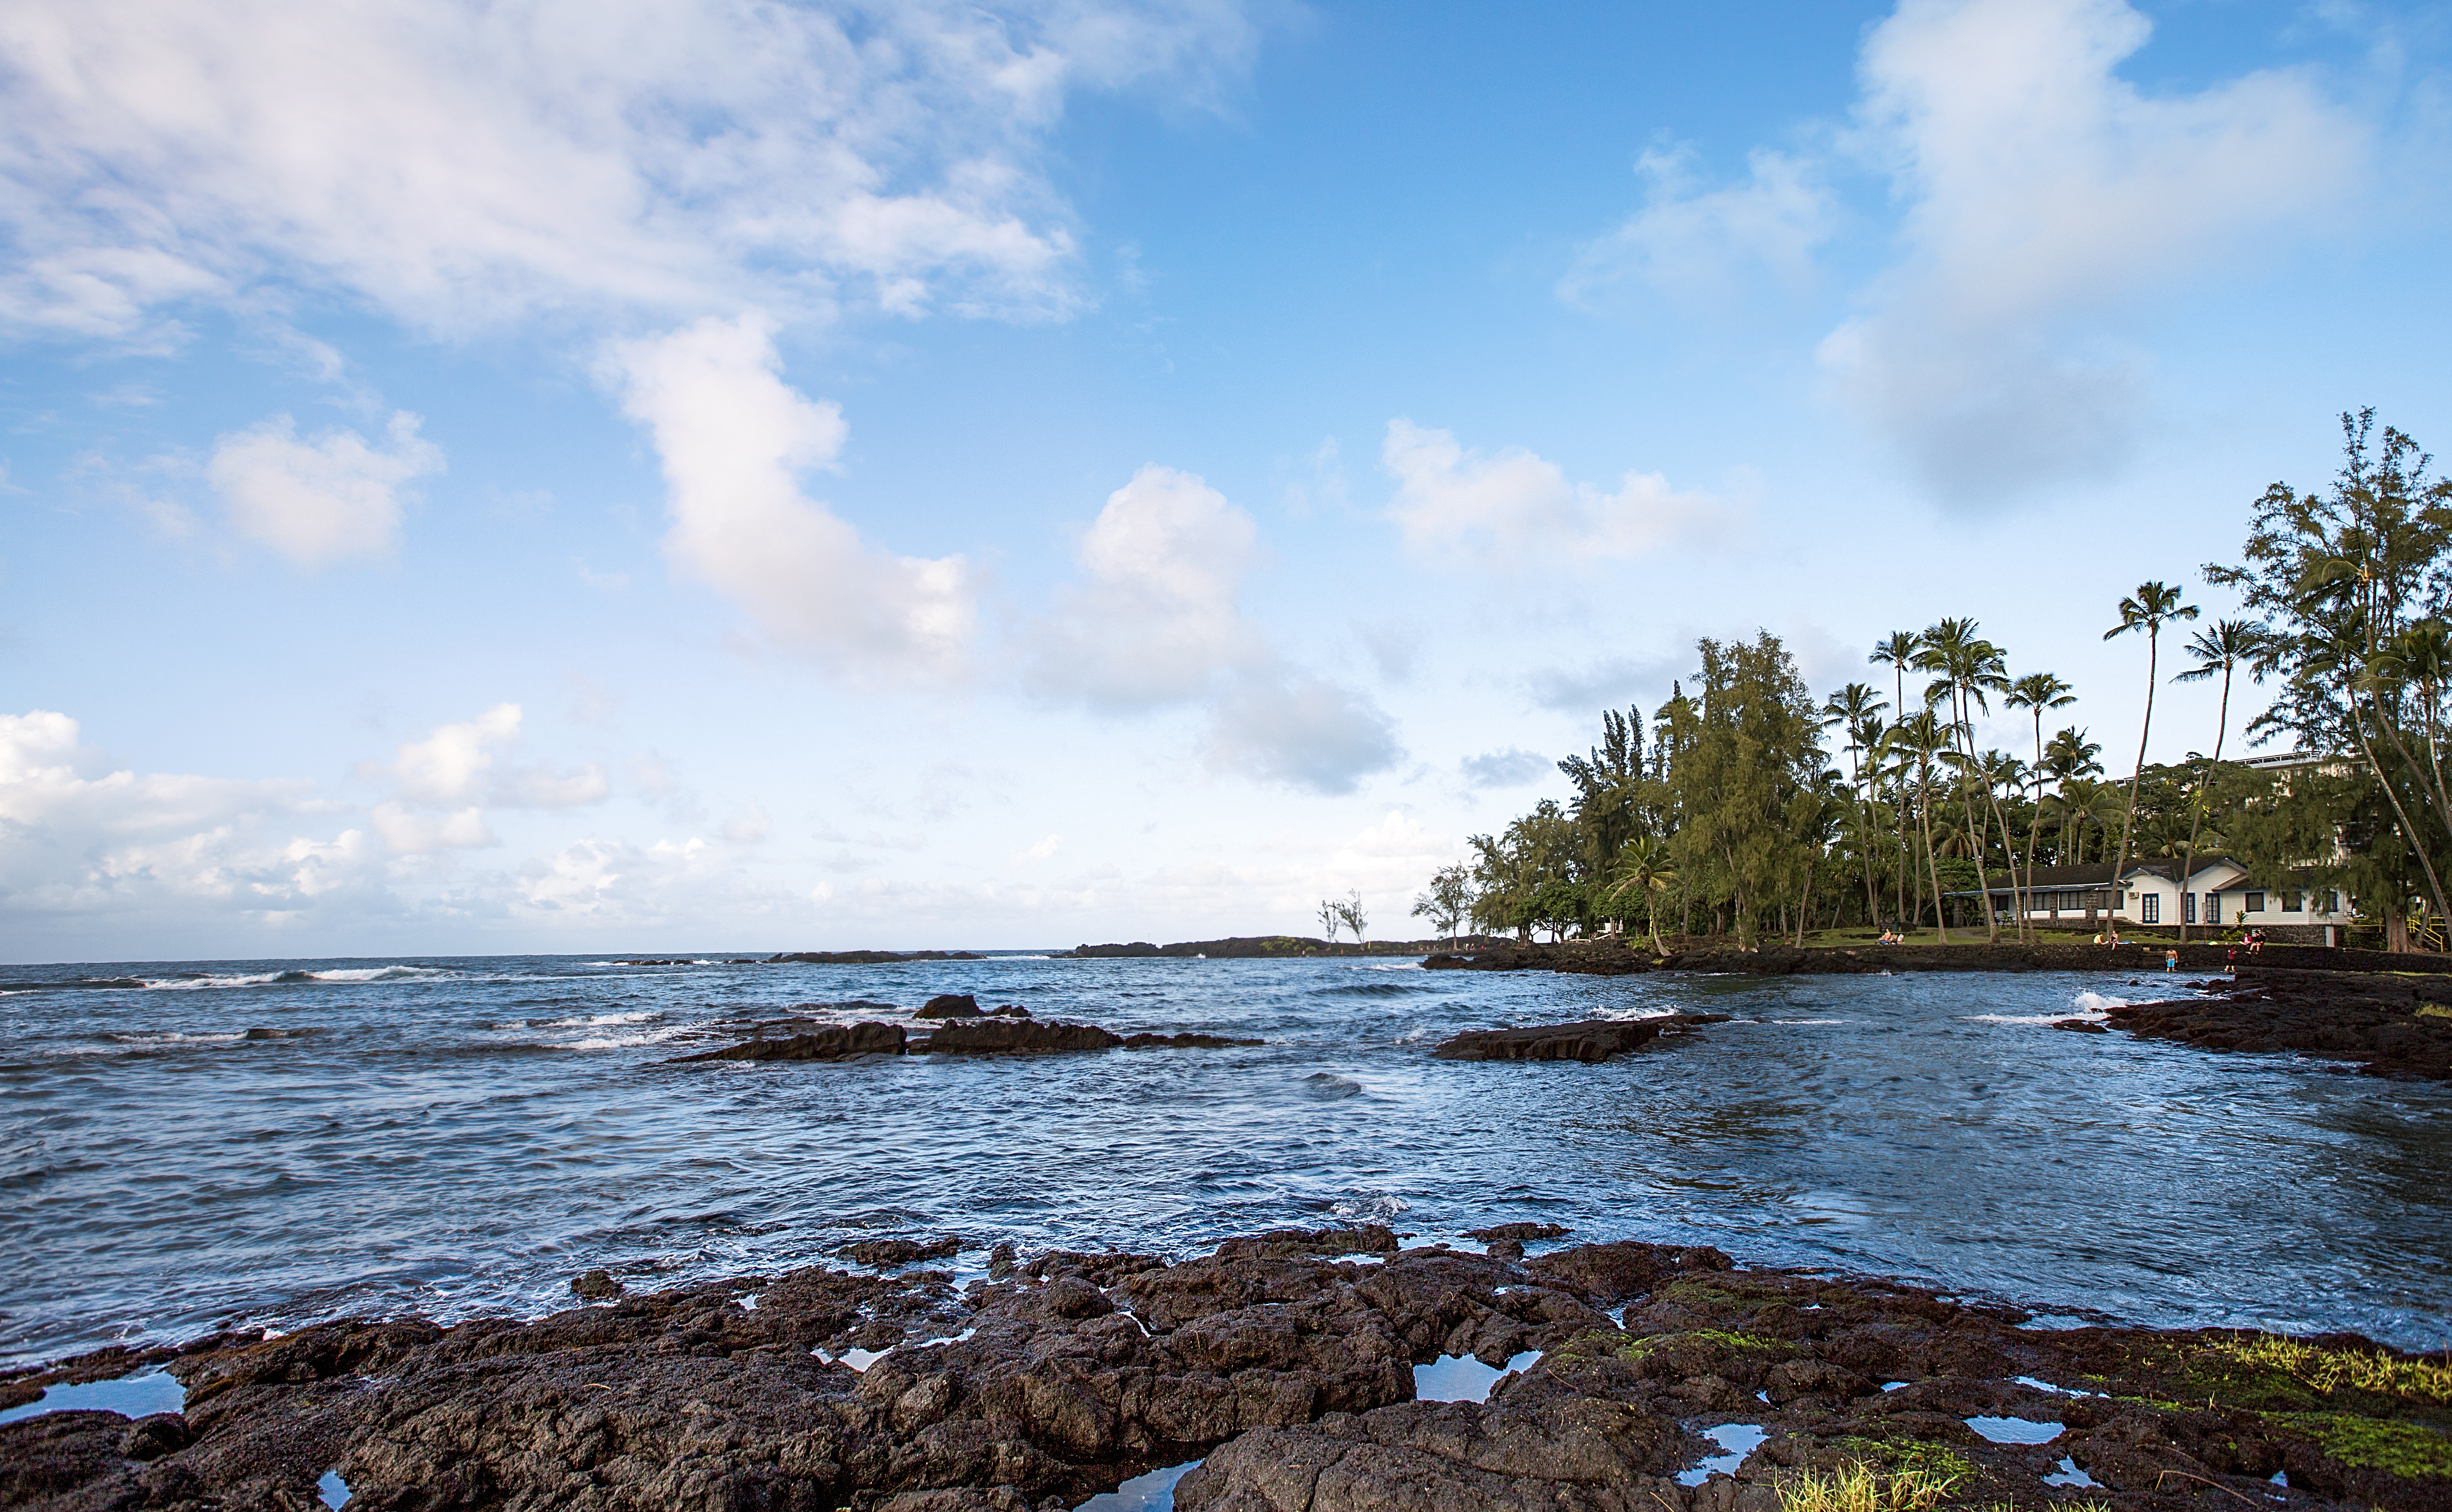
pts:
[880, 1253]
[1147, 1041]
[950, 1005]
[992, 1036]
[1290, 1371]
[1594, 1039]
[816, 1045]
[2357, 1016]
[1518, 1233]
[596, 1285]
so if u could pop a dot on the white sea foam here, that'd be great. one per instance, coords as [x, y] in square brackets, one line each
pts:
[2097, 1002]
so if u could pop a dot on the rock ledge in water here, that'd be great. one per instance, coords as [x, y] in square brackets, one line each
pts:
[1591, 1040]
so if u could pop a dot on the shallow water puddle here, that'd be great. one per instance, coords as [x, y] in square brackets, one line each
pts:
[133, 1396]
[2070, 1475]
[1461, 1378]
[856, 1359]
[2015, 1430]
[1736, 1440]
[335, 1490]
[1154, 1492]
[2032, 1384]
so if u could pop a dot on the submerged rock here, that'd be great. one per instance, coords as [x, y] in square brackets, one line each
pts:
[1591, 1040]
[1289, 1369]
[596, 1285]
[815, 1045]
[880, 1253]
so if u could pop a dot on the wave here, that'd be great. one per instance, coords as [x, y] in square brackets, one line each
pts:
[344, 976]
[1373, 989]
[2096, 1003]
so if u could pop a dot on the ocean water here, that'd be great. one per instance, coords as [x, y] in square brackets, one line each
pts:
[186, 1146]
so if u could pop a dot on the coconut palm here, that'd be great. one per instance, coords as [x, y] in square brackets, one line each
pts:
[2037, 692]
[1969, 668]
[1921, 739]
[1856, 706]
[2153, 605]
[2219, 648]
[1646, 867]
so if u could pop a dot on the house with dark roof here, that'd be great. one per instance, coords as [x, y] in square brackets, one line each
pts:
[2151, 894]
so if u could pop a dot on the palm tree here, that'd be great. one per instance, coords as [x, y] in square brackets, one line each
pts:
[1969, 667]
[2219, 648]
[1898, 651]
[1646, 867]
[2037, 691]
[1921, 741]
[2149, 609]
[1854, 706]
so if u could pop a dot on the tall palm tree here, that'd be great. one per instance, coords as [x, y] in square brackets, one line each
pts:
[1921, 739]
[2219, 648]
[2153, 605]
[1969, 667]
[1898, 651]
[1852, 706]
[2037, 691]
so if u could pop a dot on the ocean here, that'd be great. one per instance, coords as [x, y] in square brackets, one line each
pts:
[193, 1144]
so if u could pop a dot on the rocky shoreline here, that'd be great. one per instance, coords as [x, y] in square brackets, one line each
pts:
[2389, 1026]
[1635, 1376]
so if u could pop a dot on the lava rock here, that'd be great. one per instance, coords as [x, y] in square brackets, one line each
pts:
[596, 1285]
[1147, 1041]
[989, 1036]
[816, 1045]
[1590, 1041]
[950, 1005]
[1518, 1231]
[880, 1253]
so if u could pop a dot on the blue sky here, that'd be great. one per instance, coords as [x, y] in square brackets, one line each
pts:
[694, 477]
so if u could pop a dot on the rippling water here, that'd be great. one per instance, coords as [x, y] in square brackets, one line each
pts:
[200, 1144]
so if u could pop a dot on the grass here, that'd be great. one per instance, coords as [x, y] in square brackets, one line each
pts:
[2435, 1010]
[1856, 1486]
[2330, 1370]
[2405, 1449]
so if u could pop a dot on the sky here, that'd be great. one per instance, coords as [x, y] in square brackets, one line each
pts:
[649, 476]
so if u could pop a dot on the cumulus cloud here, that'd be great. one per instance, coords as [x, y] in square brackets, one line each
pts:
[2044, 191]
[457, 769]
[1515, 503]
[79, 838]
[1156, 617]
[1689, 242]
[1511, 768]
[1157, 620]
[734, 440]
[459, 163]
[316, 501]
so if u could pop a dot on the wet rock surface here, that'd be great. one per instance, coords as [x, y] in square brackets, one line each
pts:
[815, 1044]
[1589, 1040]
[960, 1029]
[1286, 1359]
[2377, 1021]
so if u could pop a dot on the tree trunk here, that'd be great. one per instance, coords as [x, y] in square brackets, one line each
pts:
[2145, 732]
[2395, 930]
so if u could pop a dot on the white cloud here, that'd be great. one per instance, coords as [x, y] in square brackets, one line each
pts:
[734, 438]
[78, 838]
[1157, 617]
[1289, 727]
[1041, 850]
[407, 832]
[2045, 192]
[1691, 242]
[455, 767]
[459, 163]
[1518, 504]
[316, 501]
[747, 826]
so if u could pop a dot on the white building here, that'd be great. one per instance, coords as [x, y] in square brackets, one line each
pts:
[2217, 894]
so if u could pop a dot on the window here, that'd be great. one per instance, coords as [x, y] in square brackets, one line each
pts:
[2213, 907]
[2332, 902]
[2293, 902]
[2149, 909]
[2255, 904]
[2187, 908]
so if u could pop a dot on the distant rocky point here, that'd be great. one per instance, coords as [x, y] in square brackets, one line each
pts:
[1260, 946]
